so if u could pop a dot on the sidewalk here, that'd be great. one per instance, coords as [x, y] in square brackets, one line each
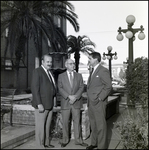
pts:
[22, 137]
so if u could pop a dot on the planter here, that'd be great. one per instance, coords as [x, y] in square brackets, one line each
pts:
[58, 60]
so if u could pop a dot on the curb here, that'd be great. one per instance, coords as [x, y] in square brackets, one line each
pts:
[14, 142]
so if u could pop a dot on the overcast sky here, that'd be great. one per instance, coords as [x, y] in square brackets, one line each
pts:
[100, 20]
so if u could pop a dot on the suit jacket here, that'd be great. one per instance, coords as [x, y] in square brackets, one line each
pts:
[65, 89]
[42, 89]
[100, 85]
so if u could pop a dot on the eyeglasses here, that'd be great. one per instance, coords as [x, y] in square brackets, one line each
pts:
[71, 63]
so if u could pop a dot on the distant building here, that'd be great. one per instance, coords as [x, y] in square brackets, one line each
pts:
[115, 69]
[83, 69]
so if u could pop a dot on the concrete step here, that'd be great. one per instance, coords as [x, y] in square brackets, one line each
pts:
[13, 136]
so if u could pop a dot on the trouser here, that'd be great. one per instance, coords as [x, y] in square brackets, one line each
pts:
[76, 124]
[97, 117]
[42, 127]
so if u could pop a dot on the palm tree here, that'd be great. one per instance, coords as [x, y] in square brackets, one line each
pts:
[79, 44]
[27, 20]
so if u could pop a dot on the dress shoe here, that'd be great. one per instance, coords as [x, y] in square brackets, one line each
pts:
[82, 144]
[63, 144]
[91, 147]
[41, 147]
[49, 146]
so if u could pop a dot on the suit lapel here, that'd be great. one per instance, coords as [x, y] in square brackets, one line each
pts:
[94, 74]
[74, 79]
[45, 74]
[67, 79]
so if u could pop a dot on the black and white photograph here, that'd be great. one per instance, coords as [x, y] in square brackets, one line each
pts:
[74, 74]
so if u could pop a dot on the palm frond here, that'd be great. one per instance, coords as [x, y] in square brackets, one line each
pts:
[71, 19]
[32, 17]
[87, 42]
[62, 39]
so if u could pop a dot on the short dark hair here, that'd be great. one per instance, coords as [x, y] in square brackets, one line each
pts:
[42, 58]
[96, 55]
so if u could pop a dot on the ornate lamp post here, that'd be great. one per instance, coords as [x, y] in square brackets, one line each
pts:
[109, 57]
[130, 34]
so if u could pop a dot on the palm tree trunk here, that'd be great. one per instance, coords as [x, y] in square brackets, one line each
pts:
[77, 59]
[16, 79]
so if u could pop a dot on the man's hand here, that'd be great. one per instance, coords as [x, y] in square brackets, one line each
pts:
[40, 108]
[72, 99]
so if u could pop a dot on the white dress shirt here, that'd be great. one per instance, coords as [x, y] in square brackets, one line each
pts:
[95, 67]
[68, 73]
[48, 75]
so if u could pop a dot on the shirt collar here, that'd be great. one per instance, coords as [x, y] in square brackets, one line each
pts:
[69, 72]
[44, 68]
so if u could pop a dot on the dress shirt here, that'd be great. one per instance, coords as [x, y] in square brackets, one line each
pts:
[95, 67]
[94, 71]
[48, 75]
[68, 73]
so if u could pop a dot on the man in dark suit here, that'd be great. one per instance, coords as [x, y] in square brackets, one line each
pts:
[98, 88]
[70, 86]
[43, 91]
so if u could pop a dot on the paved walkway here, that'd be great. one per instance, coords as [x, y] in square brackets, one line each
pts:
[24, 135]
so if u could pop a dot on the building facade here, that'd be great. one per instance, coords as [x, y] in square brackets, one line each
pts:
[9, 75]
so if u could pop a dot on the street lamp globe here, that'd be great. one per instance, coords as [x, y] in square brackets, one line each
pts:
[129, 34]
[141, 35]
[115, 57]
[130, 19]
[108, 57]
[109, 48]
[120, 37]
[104, 58]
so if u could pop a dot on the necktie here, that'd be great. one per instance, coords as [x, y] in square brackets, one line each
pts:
[51, 79]
[71, 79]
[89, 79]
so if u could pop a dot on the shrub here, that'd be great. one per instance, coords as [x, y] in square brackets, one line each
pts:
[137, 81]
[134, 129]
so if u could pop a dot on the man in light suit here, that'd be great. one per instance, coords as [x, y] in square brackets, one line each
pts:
[98, 88]
[71, 92]
[43, 91]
